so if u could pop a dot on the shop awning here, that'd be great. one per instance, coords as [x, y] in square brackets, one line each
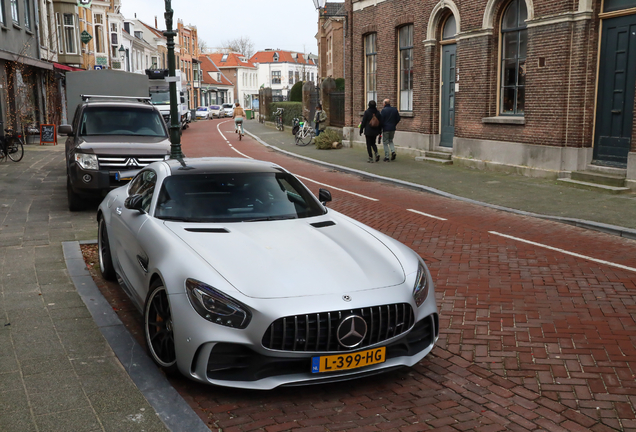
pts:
[67, 68]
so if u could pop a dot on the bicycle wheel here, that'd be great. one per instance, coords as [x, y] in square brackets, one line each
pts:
[305, 137]
[16, 150]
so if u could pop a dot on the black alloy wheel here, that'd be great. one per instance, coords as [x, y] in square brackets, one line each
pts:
[105, 257]
[158, 329]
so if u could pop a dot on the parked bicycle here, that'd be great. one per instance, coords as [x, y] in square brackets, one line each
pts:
[305, 132]
[279, 119]
[11, 145]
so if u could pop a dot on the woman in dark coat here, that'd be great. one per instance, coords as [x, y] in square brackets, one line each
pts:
[371, 132]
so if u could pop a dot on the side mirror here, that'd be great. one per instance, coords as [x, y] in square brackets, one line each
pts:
[182, 99]
[65, 130]
[134, 202]
[324, 196]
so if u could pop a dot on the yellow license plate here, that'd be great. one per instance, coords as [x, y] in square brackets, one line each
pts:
[355, 360]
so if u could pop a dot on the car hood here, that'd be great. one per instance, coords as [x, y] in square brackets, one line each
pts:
[293, 258]
[126, 145]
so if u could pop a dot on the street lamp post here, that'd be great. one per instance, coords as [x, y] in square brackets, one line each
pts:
[175, 126]
[319, 4]
[122, 55]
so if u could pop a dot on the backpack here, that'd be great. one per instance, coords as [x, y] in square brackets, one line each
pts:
[374, 122]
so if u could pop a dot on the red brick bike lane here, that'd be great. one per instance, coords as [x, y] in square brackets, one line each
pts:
[531, 338]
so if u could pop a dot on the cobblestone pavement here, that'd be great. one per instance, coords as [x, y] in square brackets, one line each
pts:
[532, 337]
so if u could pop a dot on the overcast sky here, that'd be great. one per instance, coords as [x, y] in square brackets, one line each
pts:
[284, 24]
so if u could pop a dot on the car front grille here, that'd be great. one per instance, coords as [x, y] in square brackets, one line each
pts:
[317, 332]
[127, 162]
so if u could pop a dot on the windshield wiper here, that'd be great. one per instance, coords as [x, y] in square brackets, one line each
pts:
[271, 218]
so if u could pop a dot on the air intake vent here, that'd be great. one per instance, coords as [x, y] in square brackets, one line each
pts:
[208, 230]
[322, 224]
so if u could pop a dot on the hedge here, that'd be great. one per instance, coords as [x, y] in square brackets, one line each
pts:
[296, 92]
[292, 110]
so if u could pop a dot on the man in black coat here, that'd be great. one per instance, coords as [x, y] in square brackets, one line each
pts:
[371, 126]
[390, 119]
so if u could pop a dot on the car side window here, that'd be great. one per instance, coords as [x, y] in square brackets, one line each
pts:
[147, 188]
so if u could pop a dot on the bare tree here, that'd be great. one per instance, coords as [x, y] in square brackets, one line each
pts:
[243, 45]
[203, 46]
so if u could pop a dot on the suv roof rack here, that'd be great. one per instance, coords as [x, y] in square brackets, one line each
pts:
[87, 98]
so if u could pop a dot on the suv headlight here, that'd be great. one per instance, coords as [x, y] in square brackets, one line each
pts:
[217, 307]
[420, 291]
[87, 161]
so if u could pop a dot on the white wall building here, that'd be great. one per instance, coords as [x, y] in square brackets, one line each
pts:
[280, 70]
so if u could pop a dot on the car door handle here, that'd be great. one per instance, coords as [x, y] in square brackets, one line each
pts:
[118, 211]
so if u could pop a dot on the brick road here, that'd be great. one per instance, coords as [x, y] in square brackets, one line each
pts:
[530, 338]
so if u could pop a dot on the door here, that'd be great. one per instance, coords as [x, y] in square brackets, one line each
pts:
[615, 105]
[447, 115]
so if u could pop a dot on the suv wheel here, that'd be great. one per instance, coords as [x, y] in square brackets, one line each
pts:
[75, 202]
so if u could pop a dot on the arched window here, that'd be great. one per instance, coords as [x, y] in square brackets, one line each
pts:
[514, 47]
[450, 28]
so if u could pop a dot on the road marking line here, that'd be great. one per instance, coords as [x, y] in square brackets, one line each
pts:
[574, 254]
[244, 155]
[217, 128]
[338, 189]
[426, 214]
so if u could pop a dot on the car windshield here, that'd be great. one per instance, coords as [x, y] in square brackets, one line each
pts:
[158, 97]
[202, 109]
[227, 106]
[122, 121]
[215, 107]
[235, 197]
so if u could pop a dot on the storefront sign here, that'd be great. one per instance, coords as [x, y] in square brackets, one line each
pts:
[84, 3]
[85, 37]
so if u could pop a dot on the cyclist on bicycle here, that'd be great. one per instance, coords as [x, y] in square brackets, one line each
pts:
[238, 116]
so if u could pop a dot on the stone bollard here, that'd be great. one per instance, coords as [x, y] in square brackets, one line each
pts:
[328, 87]
[264, 103]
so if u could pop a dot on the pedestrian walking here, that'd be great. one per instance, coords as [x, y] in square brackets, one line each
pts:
[371, 126]
[320, 119]
[390, 119]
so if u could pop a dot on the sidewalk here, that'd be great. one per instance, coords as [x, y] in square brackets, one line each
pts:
[615, 214]
[57, 371]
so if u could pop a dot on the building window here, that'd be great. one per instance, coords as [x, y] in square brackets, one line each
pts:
[69, 34]
[99, 33]
[224, 58]
[276, 57]
[60, 48]
[2, 21]
[370, 67]
[275, 77]
[514, 48]
[291, 78]
[14, 11]
[406, 68]
[27, 14]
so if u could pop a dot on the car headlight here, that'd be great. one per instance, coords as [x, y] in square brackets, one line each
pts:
[217, 307]
[87, 161]
[420, 291]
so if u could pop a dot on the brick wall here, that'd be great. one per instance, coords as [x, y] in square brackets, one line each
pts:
[560, 96]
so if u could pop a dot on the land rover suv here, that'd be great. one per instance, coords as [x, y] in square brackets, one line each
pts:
[110, 135]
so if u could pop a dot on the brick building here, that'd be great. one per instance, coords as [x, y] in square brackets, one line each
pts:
[541, 87]
[330, 39]
[187, 61]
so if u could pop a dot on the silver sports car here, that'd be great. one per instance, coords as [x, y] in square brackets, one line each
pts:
[245, 279]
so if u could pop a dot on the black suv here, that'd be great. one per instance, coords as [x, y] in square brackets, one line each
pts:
[109, 135]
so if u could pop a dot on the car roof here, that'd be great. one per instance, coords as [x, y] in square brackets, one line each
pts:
[118, 104]
[216, 165]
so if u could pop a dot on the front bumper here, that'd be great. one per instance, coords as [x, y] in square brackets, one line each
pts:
[93, 183]
[223, 356]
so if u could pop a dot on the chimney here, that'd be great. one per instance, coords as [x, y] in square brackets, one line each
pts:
[156, 26]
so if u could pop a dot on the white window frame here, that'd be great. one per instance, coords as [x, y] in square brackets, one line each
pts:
[405, 47]
[60, 35]
[14, 11]
[100, 47]
[370, 62]
[27, 15]
[70, 30]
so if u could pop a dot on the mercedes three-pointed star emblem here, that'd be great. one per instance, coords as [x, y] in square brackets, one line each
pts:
[351, 331]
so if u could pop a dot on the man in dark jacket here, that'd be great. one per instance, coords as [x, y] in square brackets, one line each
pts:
[390, 119]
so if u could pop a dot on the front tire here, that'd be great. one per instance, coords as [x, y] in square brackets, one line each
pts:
[16, 150]
[103, 249]
[75, 202]
[158, 330]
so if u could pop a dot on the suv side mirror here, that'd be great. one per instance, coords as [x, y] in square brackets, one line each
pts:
[66, 130]
[324, 196]
[182, 99]
[134, 202]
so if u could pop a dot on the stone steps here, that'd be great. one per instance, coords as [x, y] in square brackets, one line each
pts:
[442, 158]
[595, 186]
[602, 178]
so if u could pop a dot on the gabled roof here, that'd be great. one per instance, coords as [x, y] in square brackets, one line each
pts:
[333, 9]
[283, 57]
[232, 60]
[209, 72]
[154, 31]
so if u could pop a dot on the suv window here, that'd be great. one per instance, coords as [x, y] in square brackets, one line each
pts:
[121, 121]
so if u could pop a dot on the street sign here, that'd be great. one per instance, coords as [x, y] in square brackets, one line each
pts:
[98, 67]
[85, 37]
[84, 3]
